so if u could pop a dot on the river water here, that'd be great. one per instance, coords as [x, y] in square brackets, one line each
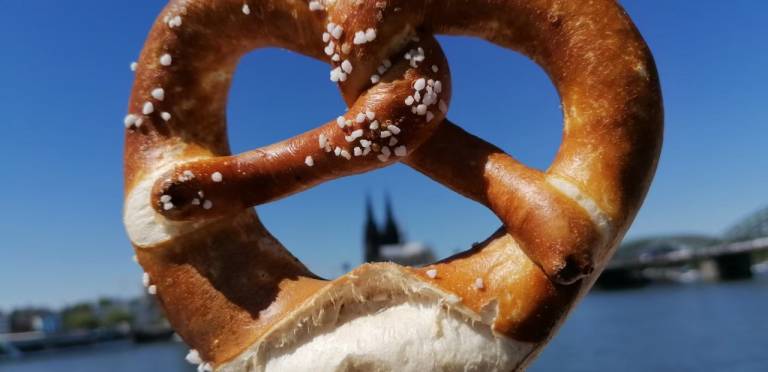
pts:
[702, 327]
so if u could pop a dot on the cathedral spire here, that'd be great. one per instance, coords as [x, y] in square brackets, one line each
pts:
[372, 240]
[391, 234]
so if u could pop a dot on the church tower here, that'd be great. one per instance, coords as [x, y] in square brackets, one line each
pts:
[386, 244]
[371, 240]
[391, 234]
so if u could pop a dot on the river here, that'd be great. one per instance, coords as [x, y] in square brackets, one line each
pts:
[702, 327]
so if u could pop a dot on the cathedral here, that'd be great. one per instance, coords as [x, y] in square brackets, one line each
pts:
[386, 244]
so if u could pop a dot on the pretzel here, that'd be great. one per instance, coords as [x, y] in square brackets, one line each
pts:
[243, 302]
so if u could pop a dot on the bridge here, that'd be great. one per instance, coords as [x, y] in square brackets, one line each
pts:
[727, 257]
[732, 260]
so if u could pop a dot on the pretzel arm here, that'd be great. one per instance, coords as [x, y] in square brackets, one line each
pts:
[520, 196]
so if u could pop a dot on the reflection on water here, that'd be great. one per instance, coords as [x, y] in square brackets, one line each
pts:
[707, 327]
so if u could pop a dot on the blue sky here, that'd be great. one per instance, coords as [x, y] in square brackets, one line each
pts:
[64, 86]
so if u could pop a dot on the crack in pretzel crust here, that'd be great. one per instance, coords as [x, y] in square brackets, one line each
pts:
[243, 302]
[598, 217]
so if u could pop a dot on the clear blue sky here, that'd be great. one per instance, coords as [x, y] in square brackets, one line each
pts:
[64, 86]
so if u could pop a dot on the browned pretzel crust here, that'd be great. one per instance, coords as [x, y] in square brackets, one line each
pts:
[225, 282]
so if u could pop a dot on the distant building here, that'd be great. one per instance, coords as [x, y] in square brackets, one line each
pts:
[386, 244]
[5, 323]
[35, 320]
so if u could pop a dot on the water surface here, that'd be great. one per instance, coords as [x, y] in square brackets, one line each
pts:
[704, 327]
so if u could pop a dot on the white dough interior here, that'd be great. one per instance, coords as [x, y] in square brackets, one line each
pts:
[404, 337]
[146, 227]
[409, 327]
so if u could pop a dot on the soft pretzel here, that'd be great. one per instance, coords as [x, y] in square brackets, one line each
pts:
[243, 302]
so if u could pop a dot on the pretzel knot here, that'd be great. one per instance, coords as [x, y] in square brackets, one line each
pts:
[397, 85]
[186, 193]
